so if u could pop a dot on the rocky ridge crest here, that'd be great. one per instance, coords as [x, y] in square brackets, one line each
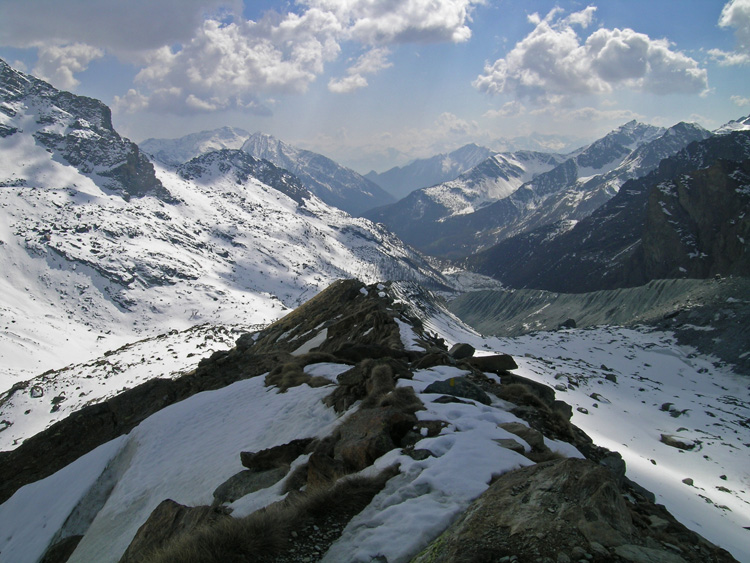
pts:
[328, 480]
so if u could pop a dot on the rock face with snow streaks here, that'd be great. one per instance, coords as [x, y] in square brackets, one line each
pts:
[77, 130]
[687, 218]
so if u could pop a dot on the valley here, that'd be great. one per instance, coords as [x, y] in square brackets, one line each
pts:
[225, 331]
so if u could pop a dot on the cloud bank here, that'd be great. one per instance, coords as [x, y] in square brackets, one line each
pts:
[554, 63]
[203, 55]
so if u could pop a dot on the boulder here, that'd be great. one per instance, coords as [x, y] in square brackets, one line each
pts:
[370, 433]
[459, 387]
[168, 520]
[532, 437]
[678, 442]
[246, 482]
[462, 351]
[570, 509]
[277, 456]
[496, 363]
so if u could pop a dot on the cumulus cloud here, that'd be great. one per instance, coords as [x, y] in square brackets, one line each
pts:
[401, 21]
[57, 65]
[371, 62]
[740, 101]
[554, 62]
[203, 55]
[735, 14]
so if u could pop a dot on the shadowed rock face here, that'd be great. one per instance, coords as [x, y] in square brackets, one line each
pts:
[566, 510]
[89, 141]
[687, 218]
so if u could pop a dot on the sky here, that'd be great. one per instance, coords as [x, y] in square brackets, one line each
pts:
[377, 83]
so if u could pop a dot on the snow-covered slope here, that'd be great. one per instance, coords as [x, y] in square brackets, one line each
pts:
[631, 390]
[93, 255]
[400, 181]
[174, 152]
[336, 185]
[741, 124]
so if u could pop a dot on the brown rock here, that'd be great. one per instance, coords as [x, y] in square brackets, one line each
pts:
[370, 433]
[167, 521]
[532, 437]
[276, 456]
[497, 363]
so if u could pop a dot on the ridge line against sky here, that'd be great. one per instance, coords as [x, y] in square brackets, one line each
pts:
[375, 83]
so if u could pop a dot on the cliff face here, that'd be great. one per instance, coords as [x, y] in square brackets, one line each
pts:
[697, 224]
[77, 130]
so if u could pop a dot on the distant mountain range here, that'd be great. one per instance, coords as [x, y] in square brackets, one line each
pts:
[511, 194]
[400, 181]
[336, 185]
[690, 217]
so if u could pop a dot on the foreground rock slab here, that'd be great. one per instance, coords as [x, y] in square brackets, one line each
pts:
[565, 510]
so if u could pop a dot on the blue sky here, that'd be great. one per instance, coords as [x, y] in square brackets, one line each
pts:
[374, 83]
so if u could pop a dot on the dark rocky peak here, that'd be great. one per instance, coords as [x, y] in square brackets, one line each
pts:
[77, 130]
[647, 156]
[686, 218]
[205, 167]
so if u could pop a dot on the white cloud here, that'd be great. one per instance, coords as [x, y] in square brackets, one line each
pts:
[347, 84]
[229, 65]
[553, 63]
[509, 109]
[740, 101]
[202, 55]
[736, 14]
[58, 64]
[371, 62]
[401, 21]
[729, 58]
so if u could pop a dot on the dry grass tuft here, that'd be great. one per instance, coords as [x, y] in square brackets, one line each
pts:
[265, 535]
[519, 394]
[403, 399]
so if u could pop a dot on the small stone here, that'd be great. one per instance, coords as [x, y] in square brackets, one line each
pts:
[688, 481]
[598, 549]
[723, 477]
[582, 410]
[562, 558]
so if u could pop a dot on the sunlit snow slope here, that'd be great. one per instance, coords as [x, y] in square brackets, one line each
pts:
[98, 248]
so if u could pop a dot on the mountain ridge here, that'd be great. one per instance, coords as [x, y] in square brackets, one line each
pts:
[644, 232]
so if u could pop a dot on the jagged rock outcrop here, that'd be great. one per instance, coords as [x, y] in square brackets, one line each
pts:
[79, 131]
[566, 510]
[697, 225]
